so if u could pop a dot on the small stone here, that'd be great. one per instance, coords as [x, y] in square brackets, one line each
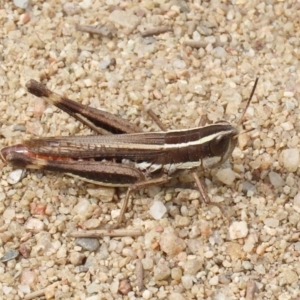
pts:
[287, 126]
[21, 3]
[219, 52]
[93, 288]
[157, 210]
[297, 201]
[25, 250]
[92, 223]
[238, 230]
[85, 4]
[247, 265]
[162, 271]
[290, 159]
[9, 255]
[83, 209]
[187, 281]
[89, 244]
[124, 18]
[76, 258]
[71, 9]
[271, 222]
[34, 225]
[147, 263]
[147, 294]
[61, 252]
[226, 176]
[15, 176]
[9, 214]
[176, 296]
[192, 267]
[28, 277]
[275, 179]
[176, 274]
[234, 250]
[124, 287]
[171, 244]
[224, 279]
[288, 277]
[214, 280]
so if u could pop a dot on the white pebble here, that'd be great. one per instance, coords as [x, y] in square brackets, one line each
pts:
[171, 244]
[85, 4]
[275, 179]
[297, 200]
[15, 176]
[219, 52]
[287, 126]
[271, 222]
[21, 3]
[124, 18]
[187, 281]
[226, 176]
[290, 159]
[157, 210]
[214, 280]
[238, 230]
[147, 294]
[8, 214]
[34, 225]
[83, 208]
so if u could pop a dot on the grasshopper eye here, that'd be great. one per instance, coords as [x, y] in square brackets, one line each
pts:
[219, 145]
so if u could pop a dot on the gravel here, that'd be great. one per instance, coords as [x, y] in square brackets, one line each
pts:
[185, 60]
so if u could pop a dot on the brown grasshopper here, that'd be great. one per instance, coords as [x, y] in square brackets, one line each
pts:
[128, 158]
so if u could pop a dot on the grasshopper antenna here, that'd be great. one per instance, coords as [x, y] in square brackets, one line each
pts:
[248, 102]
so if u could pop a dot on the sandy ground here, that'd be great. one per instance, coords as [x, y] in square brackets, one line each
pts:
[201, 59]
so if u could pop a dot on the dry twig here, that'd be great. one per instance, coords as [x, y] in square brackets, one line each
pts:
[106, 232]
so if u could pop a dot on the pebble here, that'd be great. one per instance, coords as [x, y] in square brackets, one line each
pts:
[290, 159]
[83, 209]
[226, 176]
[219, 52]
[238, 230]
[187, 281]
[271, 222]
[9, 214]
[124, 18]
[193, 266]
[162, 271]
[287, 126]
[85, 4]
[157, 210]
[275, 179]
[71, 9]
[21, 3]
[28, 277]
[147, 263]
[15, 176]
[176, 296]
[76, 258]
[9, 255]
[176, 274]
[214, 280]
[92, 223]
[171, 244]
[147, 295]
[89, 244]
[288, 277]
[34, 225]
[124, 287]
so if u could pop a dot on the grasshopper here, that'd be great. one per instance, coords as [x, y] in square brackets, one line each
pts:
[128, 157]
